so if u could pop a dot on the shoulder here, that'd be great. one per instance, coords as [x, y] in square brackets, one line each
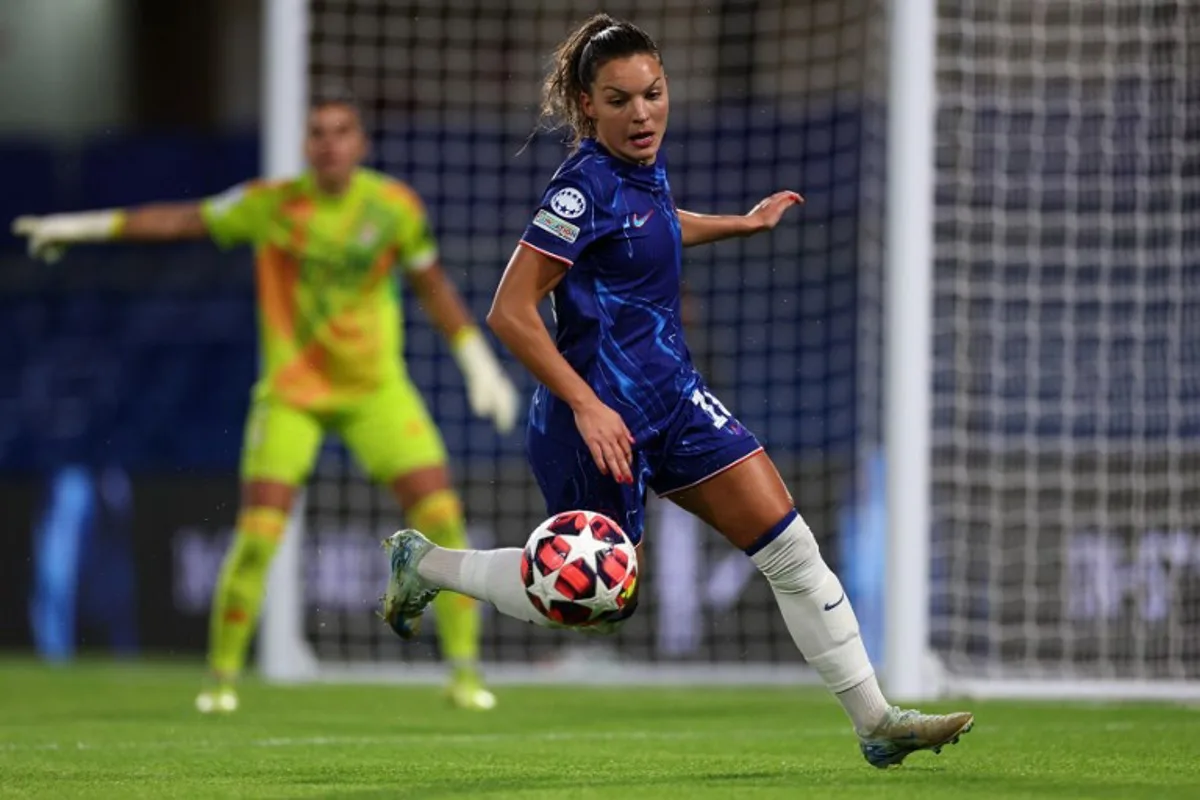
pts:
[392, 191]
[581, 185]
[257, 192]
[586, 170]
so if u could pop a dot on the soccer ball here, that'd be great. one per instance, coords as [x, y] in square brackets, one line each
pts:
[579, 568]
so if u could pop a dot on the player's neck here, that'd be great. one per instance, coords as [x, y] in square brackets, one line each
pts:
[333, 188]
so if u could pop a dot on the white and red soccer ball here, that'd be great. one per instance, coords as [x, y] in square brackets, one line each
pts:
[579, 568]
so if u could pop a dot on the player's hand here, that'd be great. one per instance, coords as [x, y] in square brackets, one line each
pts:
[609, 441]
[766, 214]
[42, 243]
[489, 391]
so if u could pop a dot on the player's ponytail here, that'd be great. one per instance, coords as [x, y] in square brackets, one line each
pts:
[577, 60]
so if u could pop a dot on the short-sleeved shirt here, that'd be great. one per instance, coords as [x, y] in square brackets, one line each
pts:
[328, 302]
[617, 309]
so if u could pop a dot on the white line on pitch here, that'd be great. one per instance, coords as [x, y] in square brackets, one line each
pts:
[434, 738]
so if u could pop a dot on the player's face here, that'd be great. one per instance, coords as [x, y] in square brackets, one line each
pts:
[335, 145]
[628, 103]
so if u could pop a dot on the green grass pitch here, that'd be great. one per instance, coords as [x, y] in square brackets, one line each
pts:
[116, 731]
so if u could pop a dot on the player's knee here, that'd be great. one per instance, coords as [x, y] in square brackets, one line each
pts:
[259, 531]
[439, 516]
[791, 560]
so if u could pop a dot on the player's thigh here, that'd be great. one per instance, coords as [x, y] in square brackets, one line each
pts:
[742, 502]
[391, 435]
[716, 469]
[570, 481]
[278, 450]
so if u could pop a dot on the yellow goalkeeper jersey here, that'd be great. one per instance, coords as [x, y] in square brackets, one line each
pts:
[328, 304]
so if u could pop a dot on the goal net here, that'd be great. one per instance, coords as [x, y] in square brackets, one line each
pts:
[1065, 425]
[1066, 345]
[764, 96]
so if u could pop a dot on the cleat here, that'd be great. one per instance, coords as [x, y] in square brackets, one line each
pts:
[904, 732]
[407, 593]
[220, 700]
[466, 691]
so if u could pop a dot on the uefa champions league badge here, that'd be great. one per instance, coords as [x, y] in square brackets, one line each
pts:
[568, 202]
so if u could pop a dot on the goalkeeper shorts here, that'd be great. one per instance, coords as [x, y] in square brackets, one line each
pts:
[389, 433]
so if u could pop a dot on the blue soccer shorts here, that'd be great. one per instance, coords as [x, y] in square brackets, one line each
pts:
[701, 440]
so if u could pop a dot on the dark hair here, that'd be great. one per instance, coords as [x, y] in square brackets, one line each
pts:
[334, 95]
[577, 60]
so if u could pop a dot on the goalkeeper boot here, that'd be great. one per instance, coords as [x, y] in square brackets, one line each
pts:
[220, 698]
[905, 732]
[466, 690]
[407, 592]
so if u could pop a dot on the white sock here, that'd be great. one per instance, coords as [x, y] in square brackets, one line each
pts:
[493, 576]
[819, 618]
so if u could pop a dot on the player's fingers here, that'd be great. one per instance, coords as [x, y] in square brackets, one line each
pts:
[623, 459]
[506, 412]
[598, 456]
[613, 461]
[625, 442]
[24, 226]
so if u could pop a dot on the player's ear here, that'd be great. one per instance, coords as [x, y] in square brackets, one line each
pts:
[587, 106]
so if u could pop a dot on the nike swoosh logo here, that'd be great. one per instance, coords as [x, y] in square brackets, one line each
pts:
[640, 221]
[832, 606]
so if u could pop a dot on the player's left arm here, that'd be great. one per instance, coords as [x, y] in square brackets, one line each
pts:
[441, 301]
[489, 390]
[704, 228]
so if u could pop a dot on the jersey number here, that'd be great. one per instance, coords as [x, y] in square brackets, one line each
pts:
[710, 405]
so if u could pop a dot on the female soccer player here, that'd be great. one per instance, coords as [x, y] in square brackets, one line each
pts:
[327, 243]
[621, 407]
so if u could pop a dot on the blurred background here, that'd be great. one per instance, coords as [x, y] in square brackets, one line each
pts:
[1066, 361]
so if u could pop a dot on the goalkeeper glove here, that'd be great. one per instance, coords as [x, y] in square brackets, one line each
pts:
[49, 236]
[490, 392]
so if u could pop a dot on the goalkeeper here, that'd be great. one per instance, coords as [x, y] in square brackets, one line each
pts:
[330, 327]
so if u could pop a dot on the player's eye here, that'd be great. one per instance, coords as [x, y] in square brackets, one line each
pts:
[616, 101]
[654, 94]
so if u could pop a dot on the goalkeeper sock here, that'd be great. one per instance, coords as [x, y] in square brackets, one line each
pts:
[493, 576]
[240, 589]
[819, 618]
[439, 516]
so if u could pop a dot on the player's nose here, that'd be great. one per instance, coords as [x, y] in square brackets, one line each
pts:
[641, 109]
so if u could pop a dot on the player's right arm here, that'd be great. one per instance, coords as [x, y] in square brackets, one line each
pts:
[567, 221]
[229, 218]
[514, 318]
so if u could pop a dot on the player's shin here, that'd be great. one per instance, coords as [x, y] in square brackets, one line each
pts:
[819, 617]
[240, 589]
[439, 516]
[493, 576]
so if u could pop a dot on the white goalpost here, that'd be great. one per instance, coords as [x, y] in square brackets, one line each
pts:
[283, 651]
[908, 249]
[993, 292]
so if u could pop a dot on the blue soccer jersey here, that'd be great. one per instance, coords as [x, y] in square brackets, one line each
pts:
[617, 313]
[618, 307]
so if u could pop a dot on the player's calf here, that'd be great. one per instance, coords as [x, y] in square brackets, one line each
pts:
[823, 625]
[813, 604]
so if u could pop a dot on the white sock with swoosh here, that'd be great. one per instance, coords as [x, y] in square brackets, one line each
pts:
[820, 618]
